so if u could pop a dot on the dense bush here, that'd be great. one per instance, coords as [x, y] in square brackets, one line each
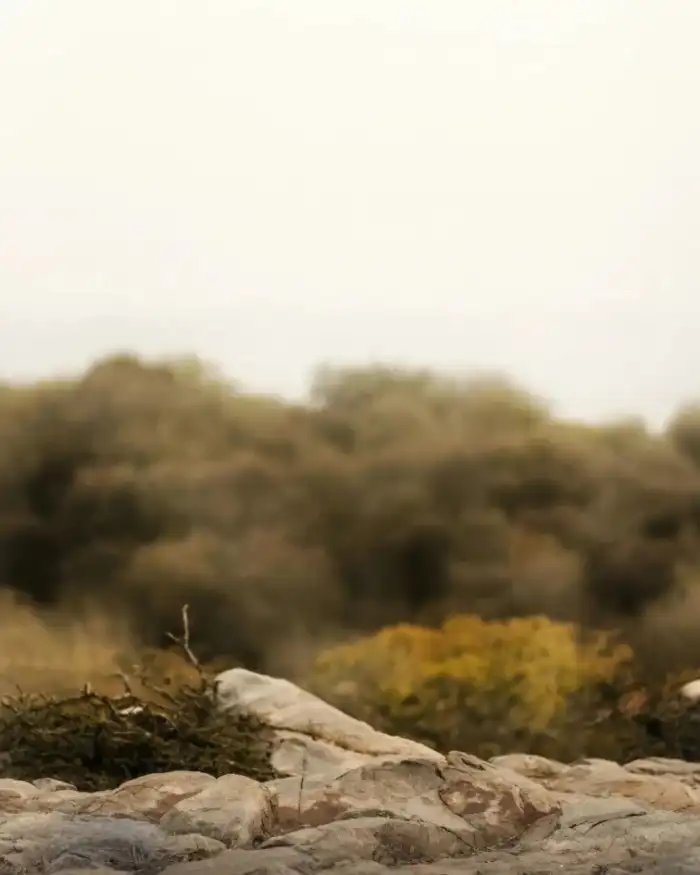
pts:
[387, 497]
[532, 685]
[469, 684]
[163, 717]
[97, 742]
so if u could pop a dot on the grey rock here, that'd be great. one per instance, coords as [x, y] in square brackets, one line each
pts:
[270, 861]
[52, 842]
[387, 840]
[283, 706]
[354, 801]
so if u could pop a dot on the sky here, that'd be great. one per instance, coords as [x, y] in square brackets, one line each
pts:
[465, 185]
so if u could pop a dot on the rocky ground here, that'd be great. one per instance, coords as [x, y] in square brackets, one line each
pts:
[359, 801]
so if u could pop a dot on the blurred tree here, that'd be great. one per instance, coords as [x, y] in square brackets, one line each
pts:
[393, 495]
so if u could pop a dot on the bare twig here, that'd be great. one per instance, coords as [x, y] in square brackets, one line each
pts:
[184, 640]
[128, 690]
[95, 740]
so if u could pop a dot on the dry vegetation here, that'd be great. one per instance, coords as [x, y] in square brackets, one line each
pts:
[119, 720]
[391, 497]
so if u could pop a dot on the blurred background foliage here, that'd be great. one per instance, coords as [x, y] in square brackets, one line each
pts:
[491, 687]
[521, 673]
[426, 519]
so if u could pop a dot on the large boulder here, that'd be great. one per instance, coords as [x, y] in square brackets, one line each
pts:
[311, 735]
[474, 800]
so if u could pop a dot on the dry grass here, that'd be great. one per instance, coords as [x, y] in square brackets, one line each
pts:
[56, 653]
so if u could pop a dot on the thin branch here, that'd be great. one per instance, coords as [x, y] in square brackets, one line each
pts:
[184, 640]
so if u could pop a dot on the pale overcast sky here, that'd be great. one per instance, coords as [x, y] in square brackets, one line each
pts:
[506, 185]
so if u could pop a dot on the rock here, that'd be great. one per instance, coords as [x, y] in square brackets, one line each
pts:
[405, 788]
[234, 810]
[152, 796]
[623, 831]
[687, 772]
[271, 861]
[297, 754]
[691, 690]
[663, 792]
[99, 870]
[55, 841]
[476, 801]
[529, 765]
[53, 784]
[353, 801]
[283, 706]
[383, 839]
[14, 795]
[498, 805]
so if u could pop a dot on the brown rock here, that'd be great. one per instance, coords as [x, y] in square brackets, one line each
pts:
[498, 805]
[655, 791]
[233, 809]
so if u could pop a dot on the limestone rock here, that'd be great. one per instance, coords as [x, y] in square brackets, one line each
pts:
[497, 804]
[282, 705]
[530, 765]
[608, 779]
[689, 773]
[383, 839]
[408, 788]
[51, 842]
[234, 810]
[298, 754]
[354, 801]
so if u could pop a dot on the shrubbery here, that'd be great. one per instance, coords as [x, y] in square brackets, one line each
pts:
[389, 497]
[528, 684]
[159, 721]
[489, 687]
[97, 742]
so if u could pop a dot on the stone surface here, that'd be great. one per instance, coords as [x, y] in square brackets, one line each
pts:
[53, 841]
[283, 706]
[667, 789]
[234, 810]
[691, 690]
[353, 800]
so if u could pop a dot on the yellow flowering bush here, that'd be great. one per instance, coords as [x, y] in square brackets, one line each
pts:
[473, 684]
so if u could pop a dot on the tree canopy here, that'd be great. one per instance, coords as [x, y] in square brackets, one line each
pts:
[392, 496]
